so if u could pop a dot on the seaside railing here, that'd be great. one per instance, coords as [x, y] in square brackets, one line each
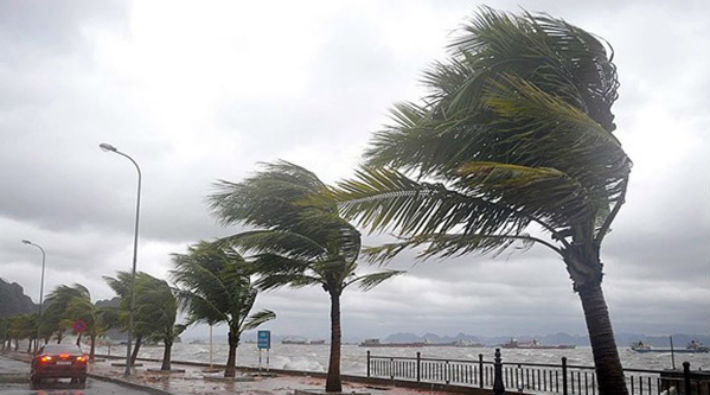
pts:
[562, 379]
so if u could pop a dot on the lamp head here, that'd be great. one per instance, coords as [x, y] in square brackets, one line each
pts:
[26, 241]
[107, 147]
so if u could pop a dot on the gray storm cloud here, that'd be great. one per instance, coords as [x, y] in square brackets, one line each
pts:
[201, 93]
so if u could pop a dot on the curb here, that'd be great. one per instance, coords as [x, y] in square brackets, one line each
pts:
[135, 386]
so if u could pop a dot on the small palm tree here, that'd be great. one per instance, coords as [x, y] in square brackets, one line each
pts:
[4, 332]
[516, 136]
[215, 286]
[58, 306]
[304, 241]
[156, 308]
[143, 323]
[98, 320]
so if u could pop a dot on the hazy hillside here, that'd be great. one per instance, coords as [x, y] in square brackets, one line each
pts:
[13, 300]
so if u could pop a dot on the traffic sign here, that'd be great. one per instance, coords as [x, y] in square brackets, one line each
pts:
[263, 340]
[79, 326]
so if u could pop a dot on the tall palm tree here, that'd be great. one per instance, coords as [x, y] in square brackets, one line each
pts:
[215, 286]
[513, 144]
[303, 240]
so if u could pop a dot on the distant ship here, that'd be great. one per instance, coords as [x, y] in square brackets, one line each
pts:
[534, 345]
[425, 343]
[376, 343]
[692, 347]
[302, 341]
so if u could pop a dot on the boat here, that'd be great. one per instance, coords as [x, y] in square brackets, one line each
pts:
[640, 347]
[534, 345]
[376, 343]
[692, 347]
[301, 341]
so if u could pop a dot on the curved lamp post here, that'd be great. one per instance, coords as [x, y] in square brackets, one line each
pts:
[110, 148]
[41, 286]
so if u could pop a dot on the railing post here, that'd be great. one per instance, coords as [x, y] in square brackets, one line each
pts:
[498, 388]
[368, 363]
[564, 375]
[419, 366]
[392, 369]
[480, 370]
[686, 377]
[447, 372]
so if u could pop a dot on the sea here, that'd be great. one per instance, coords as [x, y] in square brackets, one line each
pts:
[354, 358]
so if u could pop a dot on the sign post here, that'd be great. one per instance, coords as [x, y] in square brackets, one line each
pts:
[79, 327]
[263, 342]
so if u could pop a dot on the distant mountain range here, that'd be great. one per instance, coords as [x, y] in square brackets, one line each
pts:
[13, 300]
[622, 339]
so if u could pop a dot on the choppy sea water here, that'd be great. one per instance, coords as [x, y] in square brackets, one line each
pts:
[353, 360]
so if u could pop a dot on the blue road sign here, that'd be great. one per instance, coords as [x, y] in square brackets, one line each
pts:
[263, 340]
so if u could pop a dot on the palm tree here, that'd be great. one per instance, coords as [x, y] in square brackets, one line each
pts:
[98, 320]
[303, 241]
[4, 332]
[156, 308]
[215, 286]
[513, 144]
[24, 326]
[144, 324]
[58, 308]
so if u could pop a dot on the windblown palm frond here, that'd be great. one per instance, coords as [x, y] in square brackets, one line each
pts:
[301, 239]
[516, 131]
[369, 281]
[257, 319]
[214, 285]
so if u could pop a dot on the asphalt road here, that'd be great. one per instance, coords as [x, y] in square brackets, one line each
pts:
[10, 370]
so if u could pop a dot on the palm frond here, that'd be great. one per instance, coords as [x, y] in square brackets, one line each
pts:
[258, 318]
[369, 281]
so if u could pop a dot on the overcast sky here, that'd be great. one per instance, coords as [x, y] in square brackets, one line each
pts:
[200, 91]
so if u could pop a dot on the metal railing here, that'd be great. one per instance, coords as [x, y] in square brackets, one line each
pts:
[530, 377]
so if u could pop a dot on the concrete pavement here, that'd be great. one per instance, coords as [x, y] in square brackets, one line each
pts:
[11, 370]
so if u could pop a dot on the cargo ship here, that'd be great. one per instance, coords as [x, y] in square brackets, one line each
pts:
[376, 343]
[692, 347]
[534, 345]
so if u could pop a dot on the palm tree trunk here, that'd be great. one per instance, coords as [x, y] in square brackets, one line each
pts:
[610, 374]
[166, 354]
[136, 348]
[231, 369]
[29, 346]
[78, 340]
[93, 348]
[332, 382]
[60, 336]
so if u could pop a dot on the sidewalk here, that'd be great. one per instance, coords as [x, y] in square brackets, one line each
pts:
[195, 381]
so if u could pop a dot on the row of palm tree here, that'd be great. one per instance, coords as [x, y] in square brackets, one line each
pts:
[513, 146]
[16, 328]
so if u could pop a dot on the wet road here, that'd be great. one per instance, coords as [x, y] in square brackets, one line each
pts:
[11, 370]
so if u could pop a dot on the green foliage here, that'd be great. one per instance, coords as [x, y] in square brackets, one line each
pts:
[301, 239]
[215, 286]
[516, 130]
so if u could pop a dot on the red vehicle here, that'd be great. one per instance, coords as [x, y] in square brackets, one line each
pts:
[55, 361]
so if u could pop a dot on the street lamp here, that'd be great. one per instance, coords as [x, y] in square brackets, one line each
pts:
[41, 286]
[110, 148]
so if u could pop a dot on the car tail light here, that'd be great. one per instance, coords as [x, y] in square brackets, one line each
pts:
[64, 356]
[81, 359]
[45, 358]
